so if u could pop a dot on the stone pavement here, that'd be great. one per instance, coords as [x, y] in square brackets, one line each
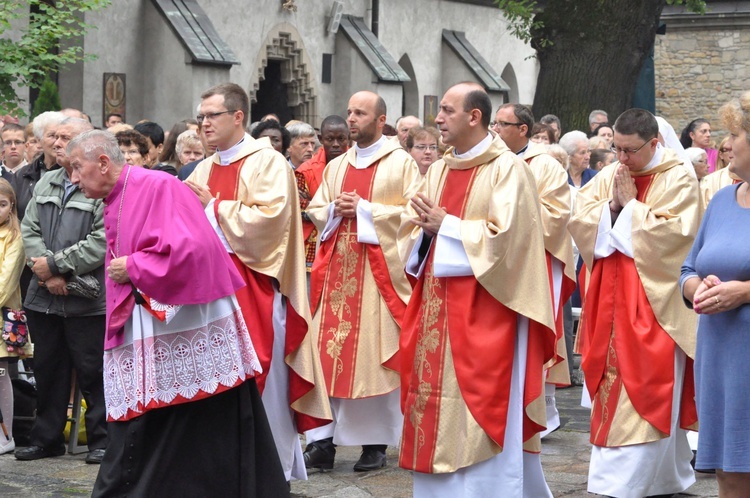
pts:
[565, 460]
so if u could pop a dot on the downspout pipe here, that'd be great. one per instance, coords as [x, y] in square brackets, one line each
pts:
[375, 17]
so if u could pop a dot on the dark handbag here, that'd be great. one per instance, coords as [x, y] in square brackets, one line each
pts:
[86, 285]
[15, 331]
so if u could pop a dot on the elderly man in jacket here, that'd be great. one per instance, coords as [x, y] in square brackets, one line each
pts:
[63, 235]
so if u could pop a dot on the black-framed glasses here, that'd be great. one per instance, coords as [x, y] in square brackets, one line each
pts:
[211, 115]
[504, 124]
[629, 152]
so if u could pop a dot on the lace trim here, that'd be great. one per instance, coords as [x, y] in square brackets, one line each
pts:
[177, 367]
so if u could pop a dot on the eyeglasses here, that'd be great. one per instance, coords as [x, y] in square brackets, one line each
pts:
[503, 124]
[211, 115]
[629, 152]
[725, 150]
[423, 148]
[11, 143]
[133, 152]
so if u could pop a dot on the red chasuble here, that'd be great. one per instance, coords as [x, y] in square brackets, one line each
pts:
[482, 334]
[256, 301]
[624, 347]
[338, 274]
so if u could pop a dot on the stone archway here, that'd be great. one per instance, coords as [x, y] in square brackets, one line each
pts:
[411, 89]
[284, 45]
[509, 76]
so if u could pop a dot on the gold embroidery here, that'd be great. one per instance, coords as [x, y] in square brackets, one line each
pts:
[610, 376]
[428, 341]
[345, 287]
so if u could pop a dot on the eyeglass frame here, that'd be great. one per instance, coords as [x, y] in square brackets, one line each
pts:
[423, 147]
[628, 152]
[11, 143]
[504, 124]
[211, 115]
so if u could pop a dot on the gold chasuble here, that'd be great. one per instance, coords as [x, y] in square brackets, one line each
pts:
[715, 182]
[457, 344]
[633, 313]
[554, 201]
[359, 291]
[258, 211]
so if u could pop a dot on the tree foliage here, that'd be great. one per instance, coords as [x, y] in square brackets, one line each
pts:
[48, 100]
[46, 44]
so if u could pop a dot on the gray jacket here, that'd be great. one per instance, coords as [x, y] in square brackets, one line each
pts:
[70, 233]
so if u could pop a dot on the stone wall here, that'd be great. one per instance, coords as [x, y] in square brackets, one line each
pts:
[700, 64]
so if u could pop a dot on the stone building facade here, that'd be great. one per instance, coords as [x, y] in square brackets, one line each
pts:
[167, 53]
[702, 62]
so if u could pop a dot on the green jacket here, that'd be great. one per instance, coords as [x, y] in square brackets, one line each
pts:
[70, 233]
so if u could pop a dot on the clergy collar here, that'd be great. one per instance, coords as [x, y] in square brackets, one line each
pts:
[476, 150]
[656, 160]
[225, 156]
[523, 150]
[364, 155]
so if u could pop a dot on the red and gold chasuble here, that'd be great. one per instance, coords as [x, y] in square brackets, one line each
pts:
[338, 274]
[256, 300]
[624, 348]
[457, 346]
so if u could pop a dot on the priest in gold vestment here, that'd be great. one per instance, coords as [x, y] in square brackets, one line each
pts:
[634, 223]
[715, 182]
[479, 328]
[513, 122]
[250, 197]
[358, 288]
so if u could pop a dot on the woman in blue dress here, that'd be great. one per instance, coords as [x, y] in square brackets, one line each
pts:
[716, 282]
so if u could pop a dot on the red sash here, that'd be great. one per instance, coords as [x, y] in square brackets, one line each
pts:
[337, 274]
[482, 333]
[256, 302]
[623, 346]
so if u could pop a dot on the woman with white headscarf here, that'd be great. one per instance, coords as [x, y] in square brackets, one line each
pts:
[668, 138]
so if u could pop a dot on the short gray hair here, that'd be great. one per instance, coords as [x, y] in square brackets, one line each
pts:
[298, 130]
[185, 138]
[45, 119]
[95, 143]
[78, 124]
[570, 141]
[595, 113]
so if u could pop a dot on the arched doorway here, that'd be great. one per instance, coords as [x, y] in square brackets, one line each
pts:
[411, 90]
[283, 83]
[509, 76]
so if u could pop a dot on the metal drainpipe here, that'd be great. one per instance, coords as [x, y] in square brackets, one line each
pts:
[375, 16]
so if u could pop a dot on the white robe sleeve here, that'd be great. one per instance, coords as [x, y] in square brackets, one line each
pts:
[450, 256]
[365, 227]
[618, 237]
[211, 215]
[413, 266]
[331, 225]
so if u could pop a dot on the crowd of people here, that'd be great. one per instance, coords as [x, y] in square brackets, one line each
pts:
[220, 288]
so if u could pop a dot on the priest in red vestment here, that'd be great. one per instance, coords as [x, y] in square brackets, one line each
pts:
[250, 197]
[634, 224]
[479, 327]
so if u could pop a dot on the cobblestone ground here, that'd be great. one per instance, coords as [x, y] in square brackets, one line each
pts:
[565, 460]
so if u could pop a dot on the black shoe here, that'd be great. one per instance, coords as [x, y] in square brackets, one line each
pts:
[37, 452]
[95, 456]
[320, 454]
[373, 458]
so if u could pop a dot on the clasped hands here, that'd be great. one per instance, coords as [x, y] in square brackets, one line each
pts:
[623, 190]
[429, 215]
[346, 204]
[714, 296]
[55, 284]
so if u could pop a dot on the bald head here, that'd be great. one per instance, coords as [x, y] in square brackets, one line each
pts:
[464, 115]
[365, 115]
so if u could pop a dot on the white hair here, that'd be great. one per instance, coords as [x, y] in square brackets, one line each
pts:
[97, 142]
[695, 153]
[595, 113]
[46, 119]
[570, 141]
[185, 138]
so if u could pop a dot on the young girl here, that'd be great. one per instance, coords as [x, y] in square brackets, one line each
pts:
[11, 264]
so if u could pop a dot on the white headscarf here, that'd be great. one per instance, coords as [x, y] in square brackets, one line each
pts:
[671, 141]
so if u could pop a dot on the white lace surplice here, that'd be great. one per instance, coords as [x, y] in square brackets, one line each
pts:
[201, 350]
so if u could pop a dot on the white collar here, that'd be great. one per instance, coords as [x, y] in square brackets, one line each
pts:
[225, 156]
[476, 150]
[656, 160]
[364, 155]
